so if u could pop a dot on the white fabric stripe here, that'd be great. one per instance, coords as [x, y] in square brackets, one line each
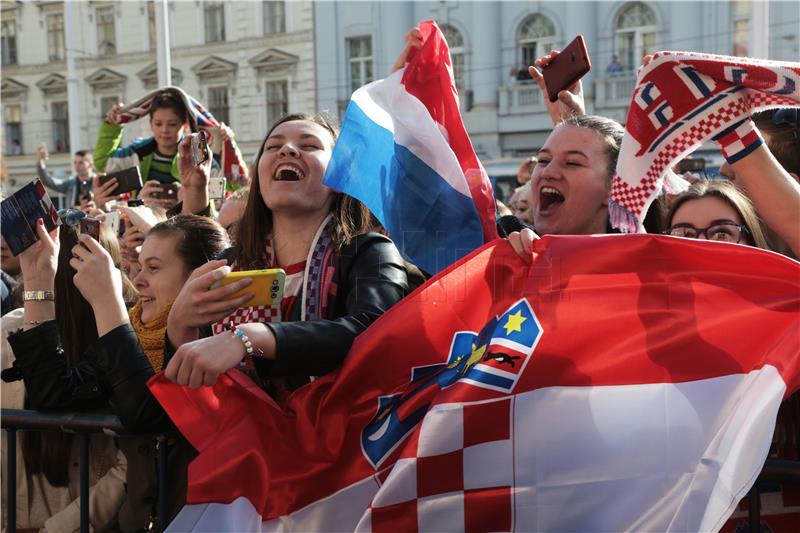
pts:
[508, 343]
[412, 126]
[656, 457]
[340, 511]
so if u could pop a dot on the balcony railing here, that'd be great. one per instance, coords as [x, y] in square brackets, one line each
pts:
[521, 97]
[614, 91]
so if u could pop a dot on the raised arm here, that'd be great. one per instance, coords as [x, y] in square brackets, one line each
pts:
[774, 193]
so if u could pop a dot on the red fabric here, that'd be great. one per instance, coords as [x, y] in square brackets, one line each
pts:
[618, 309]
[429, 90]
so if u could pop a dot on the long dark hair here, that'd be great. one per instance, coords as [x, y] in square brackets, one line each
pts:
[49, 452]
[352, 218]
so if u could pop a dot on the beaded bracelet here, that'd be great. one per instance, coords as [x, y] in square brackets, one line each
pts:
[248, 346]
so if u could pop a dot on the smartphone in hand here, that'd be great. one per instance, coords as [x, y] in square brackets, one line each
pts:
[169, 191]
[129, 179]
[200, 153]
[267, 285]
[569, 66]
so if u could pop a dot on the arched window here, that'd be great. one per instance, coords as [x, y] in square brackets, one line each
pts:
[457, 53]
[535, 38]
[636, 34]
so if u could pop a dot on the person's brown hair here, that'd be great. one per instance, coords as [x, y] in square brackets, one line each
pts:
[198, 239]
[351, 217]
[168, 100]
[728, 193]
[783, 137]
[609, 130]
[49, 452]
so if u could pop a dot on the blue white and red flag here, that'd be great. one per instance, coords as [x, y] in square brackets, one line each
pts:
[405, 153]
[619, 382]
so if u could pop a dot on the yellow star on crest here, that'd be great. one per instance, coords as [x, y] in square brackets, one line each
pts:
[514, 322]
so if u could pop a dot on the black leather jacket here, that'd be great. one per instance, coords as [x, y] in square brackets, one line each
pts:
[371, 278]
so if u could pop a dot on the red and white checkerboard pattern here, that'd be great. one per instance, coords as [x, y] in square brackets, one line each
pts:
[635, 191]
[739, 142]
[245, 315]
[634, 198]
[460, 479]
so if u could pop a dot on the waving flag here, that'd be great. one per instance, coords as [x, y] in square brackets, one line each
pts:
[405, 153]
[681, 100]
[227, 153]
[622, 382]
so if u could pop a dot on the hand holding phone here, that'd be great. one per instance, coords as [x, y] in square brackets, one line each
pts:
[566, 68]
[169, 191]
[200, 152]
[268, 285]
[129, 179]
[569, 102]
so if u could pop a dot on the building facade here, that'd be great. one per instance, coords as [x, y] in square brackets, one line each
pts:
[491, 42]
[248, 62]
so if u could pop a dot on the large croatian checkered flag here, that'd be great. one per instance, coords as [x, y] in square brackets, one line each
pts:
[635, 392]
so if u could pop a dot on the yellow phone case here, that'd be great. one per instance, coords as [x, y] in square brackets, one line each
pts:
[267, 284]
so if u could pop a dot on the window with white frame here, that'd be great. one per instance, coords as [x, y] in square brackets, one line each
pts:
[274, 16]
[535, 38]
[8, 45]
[106, 32]
[218, 103]
[151, 24]
[740, 20]
[455, 41]
[277, 100]
[55, 36]
[60, 126]
[13, 133]
[359, 61]
[635, 30]
[106, 103]
[215, 21]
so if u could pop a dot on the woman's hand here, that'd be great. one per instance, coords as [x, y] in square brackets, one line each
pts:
[96, 276]
[131, 243]
[100, 282]
[113, 115]
[570, 101]
[104, 193]
[39, 261]
[192, 176]
[413, 40]
[198, 305]
[522, 243]
[140, 217]
[147, 193]
[200, 362]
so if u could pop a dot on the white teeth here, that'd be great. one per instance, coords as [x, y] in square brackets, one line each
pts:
[550, 190]
[291, 168]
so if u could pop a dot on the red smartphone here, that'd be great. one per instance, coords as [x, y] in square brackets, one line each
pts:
[571, 64]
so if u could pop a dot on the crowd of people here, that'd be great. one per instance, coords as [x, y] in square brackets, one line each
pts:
[99, 317]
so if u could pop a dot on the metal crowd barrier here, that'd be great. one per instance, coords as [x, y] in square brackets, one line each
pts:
[84, 425]
[12, 420]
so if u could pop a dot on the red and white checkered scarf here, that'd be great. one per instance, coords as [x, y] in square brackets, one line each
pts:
[230, 157]
[317, 290]
[681, 100]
